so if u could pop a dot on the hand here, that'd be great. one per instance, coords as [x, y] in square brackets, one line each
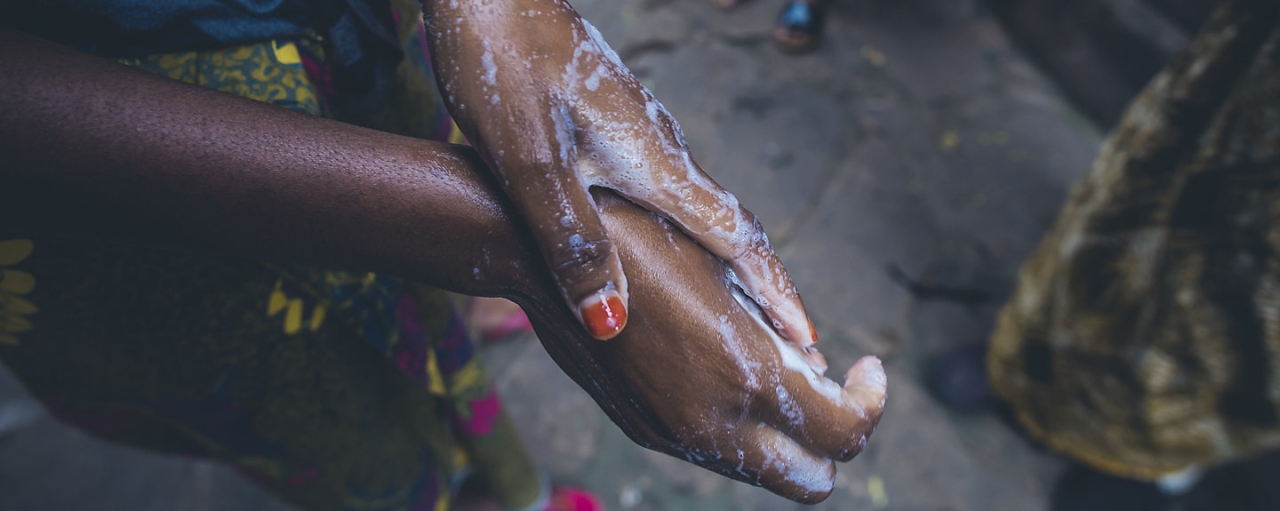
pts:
[698, 375]
[554, 112]
[695, 375]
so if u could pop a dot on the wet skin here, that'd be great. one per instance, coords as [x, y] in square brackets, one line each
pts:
[554, 112]
[102, 151]
[700, 375]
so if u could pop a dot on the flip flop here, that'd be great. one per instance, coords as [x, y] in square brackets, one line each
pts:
[514, 323]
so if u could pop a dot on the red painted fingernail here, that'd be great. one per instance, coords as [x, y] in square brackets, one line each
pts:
[604, 314]
[813, 332]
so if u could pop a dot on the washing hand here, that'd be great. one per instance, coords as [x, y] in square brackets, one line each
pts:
[554, 112]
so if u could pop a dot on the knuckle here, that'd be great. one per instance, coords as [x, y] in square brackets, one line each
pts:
[578, 257]
[755, 242]
[752, 386]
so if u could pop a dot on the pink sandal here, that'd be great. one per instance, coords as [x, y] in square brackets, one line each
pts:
[564, 498]
[513, 322]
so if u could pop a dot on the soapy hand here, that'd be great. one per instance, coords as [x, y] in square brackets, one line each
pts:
[554, 112]
[718, 387]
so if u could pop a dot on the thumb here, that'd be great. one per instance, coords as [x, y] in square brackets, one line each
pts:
[576, 247]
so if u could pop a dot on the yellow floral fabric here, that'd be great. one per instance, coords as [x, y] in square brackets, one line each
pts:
[271, 73]
[15, 310]
[336, 390]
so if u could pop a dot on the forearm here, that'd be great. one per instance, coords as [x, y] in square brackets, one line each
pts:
[92, 148]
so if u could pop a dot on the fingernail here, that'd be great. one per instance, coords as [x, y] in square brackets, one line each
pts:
[604, 314]
[813, 332]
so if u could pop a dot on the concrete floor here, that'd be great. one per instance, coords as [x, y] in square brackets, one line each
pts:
[917, 137]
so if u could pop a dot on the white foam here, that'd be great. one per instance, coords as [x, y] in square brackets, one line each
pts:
[603, 45]
[593, 81]
[564, 134]
[490, 69]
[816, 481]
[788, 406]
[749, 367]
[787, 352]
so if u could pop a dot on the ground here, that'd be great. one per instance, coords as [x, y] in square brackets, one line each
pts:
[916, 138]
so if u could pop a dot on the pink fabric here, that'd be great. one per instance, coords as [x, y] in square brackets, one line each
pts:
[573, 499]
[483, 413]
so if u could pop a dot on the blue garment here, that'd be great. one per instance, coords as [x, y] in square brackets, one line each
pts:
[136, 28]
[360, 38]
[228, 21]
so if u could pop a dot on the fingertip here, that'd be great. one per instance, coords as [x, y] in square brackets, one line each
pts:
[603, 313]
[793, 471]
[815, 359]
[866, 373]
[814, 487]
[853, 449]
[867, 383]
[802, 334]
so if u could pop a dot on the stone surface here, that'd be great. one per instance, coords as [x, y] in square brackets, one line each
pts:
[917, 137]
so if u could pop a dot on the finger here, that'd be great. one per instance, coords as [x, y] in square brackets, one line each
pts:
[653, 169]
[824, 417]
[779, 464]
[867, 384]
[815, 359]
[760, 273]
[582, 259]
[527, 136]
[631, 144]
[538, 171]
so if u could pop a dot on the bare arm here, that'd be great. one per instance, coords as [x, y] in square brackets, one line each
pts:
[94, 148]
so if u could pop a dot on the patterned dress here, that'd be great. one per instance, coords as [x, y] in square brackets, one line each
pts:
[1143, 338]
[335, 389]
